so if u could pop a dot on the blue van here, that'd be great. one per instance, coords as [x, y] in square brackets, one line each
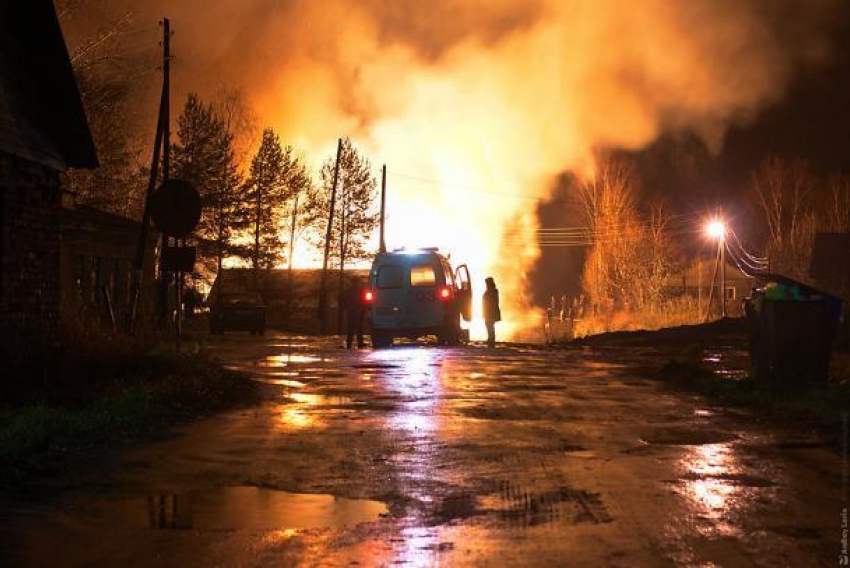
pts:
[416, 293]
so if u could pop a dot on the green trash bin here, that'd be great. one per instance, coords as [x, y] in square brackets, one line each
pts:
[791, 334]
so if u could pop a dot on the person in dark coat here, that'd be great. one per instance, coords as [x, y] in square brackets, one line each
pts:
[355, 311]
[191, 299]
[492, 313]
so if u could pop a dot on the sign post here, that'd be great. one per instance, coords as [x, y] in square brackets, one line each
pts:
[176, 210]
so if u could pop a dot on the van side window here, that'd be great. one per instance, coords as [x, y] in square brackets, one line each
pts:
[423, 275]
[447, 274]
[390, 276]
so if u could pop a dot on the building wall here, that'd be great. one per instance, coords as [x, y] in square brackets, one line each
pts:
[695, 281]
[29, 249]
[97, 254]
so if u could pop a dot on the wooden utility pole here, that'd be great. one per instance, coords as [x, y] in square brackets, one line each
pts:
[699, 284]
[340, 300]
[723, 275]
[166, 154]
[713, 282]
[166, 175]
[141, 246]
[259, 211]
[166, 98]
[382, 244]
[292, 222]
[323, 289]
[161, 134]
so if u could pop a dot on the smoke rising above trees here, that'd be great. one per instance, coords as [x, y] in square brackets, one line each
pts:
[500, 95]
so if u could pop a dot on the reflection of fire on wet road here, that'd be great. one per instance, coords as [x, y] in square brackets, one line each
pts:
[520, 457]
[230, 508]
[418, 382]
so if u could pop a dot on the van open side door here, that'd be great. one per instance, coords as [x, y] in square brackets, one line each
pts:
[464, 292]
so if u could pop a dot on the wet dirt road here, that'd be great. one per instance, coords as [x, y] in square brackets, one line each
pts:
[430, 456]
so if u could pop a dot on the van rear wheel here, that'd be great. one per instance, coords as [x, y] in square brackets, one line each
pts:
[381, 340]
[450, 336]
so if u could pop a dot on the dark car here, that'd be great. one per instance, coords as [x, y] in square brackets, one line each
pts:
[238, 311]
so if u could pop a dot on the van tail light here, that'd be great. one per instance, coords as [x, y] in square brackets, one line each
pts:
[445, 293]
[368, 296]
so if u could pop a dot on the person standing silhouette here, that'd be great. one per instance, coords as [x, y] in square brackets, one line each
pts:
[355, 310]
[492, 313]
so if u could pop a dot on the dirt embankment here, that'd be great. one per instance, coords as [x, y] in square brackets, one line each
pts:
[712, 359]
[726, 332]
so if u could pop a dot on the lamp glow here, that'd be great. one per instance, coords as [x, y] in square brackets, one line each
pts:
[716, 229]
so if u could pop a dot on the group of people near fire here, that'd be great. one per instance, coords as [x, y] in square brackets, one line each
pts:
[355, 311]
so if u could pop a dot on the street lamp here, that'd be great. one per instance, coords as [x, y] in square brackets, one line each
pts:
[716, 229]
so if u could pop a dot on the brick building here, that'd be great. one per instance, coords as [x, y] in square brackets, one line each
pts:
[43, 131]
[97, 252]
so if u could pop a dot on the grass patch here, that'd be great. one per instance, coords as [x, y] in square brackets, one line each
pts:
[161, 389]
[820, 405]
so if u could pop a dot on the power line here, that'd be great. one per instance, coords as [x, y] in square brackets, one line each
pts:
[579, 241]
[737, 262]
[743, 259]
[608, 229]
[744, 250]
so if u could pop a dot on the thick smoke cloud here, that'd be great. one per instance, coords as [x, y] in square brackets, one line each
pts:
[490, 99]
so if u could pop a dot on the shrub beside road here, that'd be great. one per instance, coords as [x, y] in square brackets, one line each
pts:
[65, 418]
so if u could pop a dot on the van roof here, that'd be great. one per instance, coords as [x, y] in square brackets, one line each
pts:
[415, 250]
[409, 253]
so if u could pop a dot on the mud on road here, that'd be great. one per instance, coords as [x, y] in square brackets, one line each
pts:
[422, 455]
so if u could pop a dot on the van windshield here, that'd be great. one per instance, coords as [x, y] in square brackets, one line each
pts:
[390, 276]
[423, 275]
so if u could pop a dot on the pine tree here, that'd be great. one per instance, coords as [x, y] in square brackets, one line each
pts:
[265, 191]
[355, 217]
[304, 207]
[204, 158]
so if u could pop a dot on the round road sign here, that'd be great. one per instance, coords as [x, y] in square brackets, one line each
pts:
[176, 208]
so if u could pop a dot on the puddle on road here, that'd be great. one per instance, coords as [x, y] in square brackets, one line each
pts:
[322, 399]
[733, 374]
[374, 366]
[728, 364]
[280, 382]
[518, 507]
[287, 359]
[230, 508]
[694, 436]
